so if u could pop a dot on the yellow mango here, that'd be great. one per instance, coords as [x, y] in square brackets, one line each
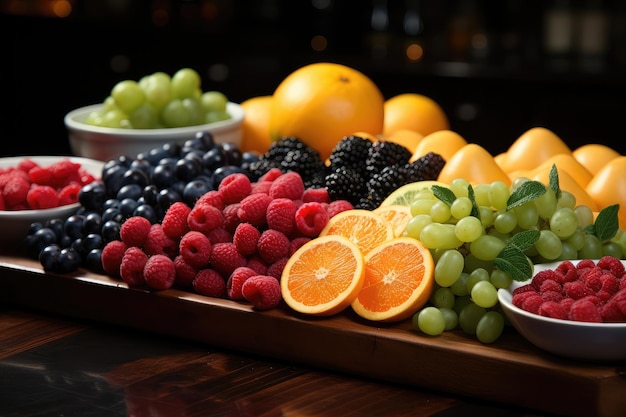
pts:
[441, 142]
[565, 162]
[473, 163]
[608, 187]
[532, 148]
[569, 184]
[594, 156]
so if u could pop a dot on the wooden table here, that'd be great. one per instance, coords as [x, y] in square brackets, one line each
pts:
[89, 344]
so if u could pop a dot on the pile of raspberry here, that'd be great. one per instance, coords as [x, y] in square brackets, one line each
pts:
[233, 243]
[29, 186]
[587, 291]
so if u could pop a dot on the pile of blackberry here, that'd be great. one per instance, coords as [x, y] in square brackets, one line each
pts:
[359, 170]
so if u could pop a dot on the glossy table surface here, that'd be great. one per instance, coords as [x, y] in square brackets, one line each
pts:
[52, 365]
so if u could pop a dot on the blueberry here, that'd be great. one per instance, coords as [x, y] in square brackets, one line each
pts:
[93, 261]
[231, 153]
[92, 224]
[202, 141]
[91, 196]
[160, 152]
[57, 226]
[65, 241]
[214, 159]
[68, 261]
[222, 172]
[77, 245]
[163, 176]
[194, 190]
[48, 257]
[127, 207]
[147, 211]
[142, 165]
[150, 193]
[73, 226]
[167, 197]
[248, 158]
[133, 191]
[92, 241]
[187, 168]
[110, 203]
[111, 231]
[135, 177]
[112, 213]
[179, 187]
[113, 177]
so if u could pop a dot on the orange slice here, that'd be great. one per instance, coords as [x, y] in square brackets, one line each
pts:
[397, 215]
[364, 228]
[323, 277]
[399, 276]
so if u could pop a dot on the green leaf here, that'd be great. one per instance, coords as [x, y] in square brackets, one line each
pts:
[607, 223]
[512, 260]
[554, 181]
[444, 194]
[524, 240]
[472, 196]
[526, 192]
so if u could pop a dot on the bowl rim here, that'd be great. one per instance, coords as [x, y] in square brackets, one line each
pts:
[235, 110]
[505, 296]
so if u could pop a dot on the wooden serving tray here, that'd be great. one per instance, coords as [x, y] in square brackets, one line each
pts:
[510, 371]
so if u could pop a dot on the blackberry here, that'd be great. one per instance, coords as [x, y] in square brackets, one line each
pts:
[384, 154]
[383, 183]
[346, 184]
[350, 152]
[426, 167]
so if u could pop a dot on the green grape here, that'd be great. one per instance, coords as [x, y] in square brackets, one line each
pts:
[144, 117]
[460, 187]
[567, 200]
[490, 327]
[461, 207]
[484, 294]
[128, 95]
[185, 83]
[472, 263]
[468, 229]
[498, 194]
[476, 276]
[216, 116]
[416, 224]
[450, 318]
[443, 298]
[157, 89]
[549, 245]
[430, 321]
[439, 236]
[505, 222]
[612, 249]
[546, 204]
[459, 287]
[425, 194]
[568, 252]
[109, 104]
[115, 118]
[517, 182]
[592, 249]
[175, 114]
[213, 101]
[461, 302]
[469, 317]
[196, 115]
[481, 194]
[486, 247]
[440, 212]
[576, 240]
[420, 206]
[449, 267]
[527, 215]
[585, 216]
[564, 222]
[486, 216]
[500, 278]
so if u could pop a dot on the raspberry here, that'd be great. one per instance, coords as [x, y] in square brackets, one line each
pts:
[280, 215]
[159, 272]
[270, 175]
[245, 238]
[541, 276]
[26, 164]
[185, 273]
[532, 303]
[42, 197]
[261, 187]
[296, 243]
[204, 218]
[613, 264]
[210, 283]
[566, 303]
[272, 245]
[63, 172]
[584, 310]
[175, 220]
[15, 192]
[567, 271]
[225, 258]
[69, 194]
[213, 198]
[550, 285]
[288, 185]
[220, 235]
[131, 269]
[524, 288]
[550, 295]
[134, 231]
[609, 283]
[253, 208]
[195, 248]
[276, 269]
[262, 291]
[311, 218]
[235, 282]
[337, 207]
[258, 264]
[319, 195]
[112, 255]
[591, 278]
[231, 219]
[585, 263]
[158, 243]
[576, 290]
[611, 313]
[519, 298]
[552, 309]
[234, 188]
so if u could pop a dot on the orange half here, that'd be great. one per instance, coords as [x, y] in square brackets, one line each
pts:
[364, 228]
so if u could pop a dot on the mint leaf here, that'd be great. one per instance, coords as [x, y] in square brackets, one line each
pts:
[524, 240]
[472, 196]
[526, 192]
[512, 260]
[607, 223]
[554, 181]
[444, 194]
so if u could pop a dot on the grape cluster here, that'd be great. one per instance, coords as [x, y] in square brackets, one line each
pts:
[158, 100]
[485, 236]
[142, 186]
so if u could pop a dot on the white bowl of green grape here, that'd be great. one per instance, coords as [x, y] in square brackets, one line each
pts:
[157, 109]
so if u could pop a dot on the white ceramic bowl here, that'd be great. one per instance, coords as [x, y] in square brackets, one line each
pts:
[105, 143]
[15, 224]
[578, 340]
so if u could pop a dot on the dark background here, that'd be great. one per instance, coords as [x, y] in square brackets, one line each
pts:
[488, 63]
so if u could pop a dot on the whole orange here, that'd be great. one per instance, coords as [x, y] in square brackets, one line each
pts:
[415, 112]
[323, 102]
[255, 135]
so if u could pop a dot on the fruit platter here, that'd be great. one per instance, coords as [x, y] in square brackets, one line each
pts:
[367, 242]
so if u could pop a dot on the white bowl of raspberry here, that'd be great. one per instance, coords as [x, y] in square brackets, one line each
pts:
[575, 309]
[106, 143]
[24, 200]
